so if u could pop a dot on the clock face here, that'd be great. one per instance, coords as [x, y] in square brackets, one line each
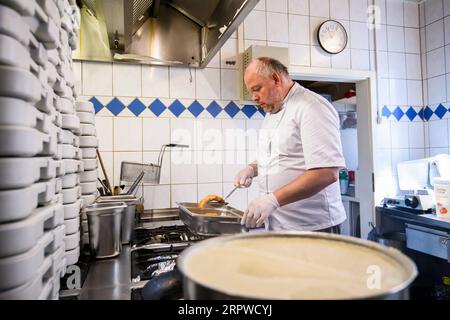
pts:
[332, 36]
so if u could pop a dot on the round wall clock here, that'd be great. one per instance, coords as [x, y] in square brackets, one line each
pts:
[332, 36]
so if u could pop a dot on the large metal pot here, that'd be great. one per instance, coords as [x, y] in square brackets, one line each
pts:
[195, 290]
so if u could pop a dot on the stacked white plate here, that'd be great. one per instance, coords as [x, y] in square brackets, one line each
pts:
[32, 169]
[88, 145]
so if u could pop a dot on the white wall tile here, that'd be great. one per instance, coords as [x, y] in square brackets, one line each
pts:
[416, 135]
[319, 8]
[320, 58]
[253, 127]
[435, 62]
[215, 61]
[108, 162]
[153, 158]
[382, 134]
[234, 160]
[341, 60]
[412, 40]
[278, 27]
[394, 12]
[313, 28]
[381, 38]
[437, 151]
[437, 130]
[360, 59]
[156, 132]
[234, 134]
[415, 93]
[397, 92]
[399, 134]
[127, 134]
[423, 59]
[238, 199]
[127, 80]
[156, 197]
[436, 90]
[396, 38]
[155, 81]
[183, 131]
[208, 83]
[399, 155]
[416, 154]
[434, 10]
[359, 35]
[447, 77]
[229, 55]
[381, 5]
[339, 9]
[183, 193]
[97, 79]
[299, 55]
[447, 30]
[434, 35]
[77, 67]
[209, 166]
[205, 189]
[183, 167]
[277, 6]
[413, 70]
[383, 64]
[397, 67]
[182, 83]
[261, 5]
[358, 10]
[255, 26]
[383, 163]
[446, 7]
[299, 29]
[104, 128]
[249, 43]
[422, 14]
[119, 157]
[209, 134]
[230, 84]
[384, 91]
[411, 12]
[298, 7]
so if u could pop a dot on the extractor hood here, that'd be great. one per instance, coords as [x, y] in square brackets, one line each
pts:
[169, 32]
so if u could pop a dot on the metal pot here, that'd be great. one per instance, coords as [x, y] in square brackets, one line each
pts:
[194, 290]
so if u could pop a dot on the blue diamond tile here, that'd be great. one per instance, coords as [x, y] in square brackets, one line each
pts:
[177, 108]
[214, 109]
[157, 107]
[249, 110]
[420, 114]
[232, 109]
[97, 104]
[261, 110]
[196, 108]
[398, 113]
[136, 107]
[115, 106]
[427, 113]
[440, 111]
[386, 112]
[411, 113]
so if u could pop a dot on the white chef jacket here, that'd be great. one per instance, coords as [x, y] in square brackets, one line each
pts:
[303, 135]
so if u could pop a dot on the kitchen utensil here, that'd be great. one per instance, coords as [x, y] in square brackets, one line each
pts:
[104, 187]
[88, 153]
[89, 164]
[20, 236]
[104, 223]
[70, 180]
[198, 287]
[88, 130]
[72, 225]
[108, 185]
[25, 142]
[72, 256]
[84, 106]
[12, 24]
[17, 112]
[66, 106]
[13, 53]
[73, 166]
[86, 117]
[135, 184]
[12, 204]
[88, 187]
[19, 83]
[71, 122]
[72, 210]
[67, 137]
[88, 176]
[72, 241]
[88, 142]
[70, 152]
[71, 195]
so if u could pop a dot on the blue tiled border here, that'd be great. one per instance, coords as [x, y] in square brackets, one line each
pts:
[157, 107]
[411, 113]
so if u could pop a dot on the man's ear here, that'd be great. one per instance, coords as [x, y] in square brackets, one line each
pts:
[276, 77]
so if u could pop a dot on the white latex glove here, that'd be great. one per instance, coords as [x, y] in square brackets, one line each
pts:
[259, 210]
[244, 177]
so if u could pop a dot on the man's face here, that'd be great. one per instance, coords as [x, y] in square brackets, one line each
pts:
[265, 90]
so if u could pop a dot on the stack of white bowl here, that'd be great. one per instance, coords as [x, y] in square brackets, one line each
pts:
[32, 229]
[88, 144]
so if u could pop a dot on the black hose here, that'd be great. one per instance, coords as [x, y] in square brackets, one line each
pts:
[166, 286]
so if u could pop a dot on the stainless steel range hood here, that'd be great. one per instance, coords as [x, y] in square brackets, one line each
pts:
[169, 32]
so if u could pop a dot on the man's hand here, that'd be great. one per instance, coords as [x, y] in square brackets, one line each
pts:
[259, 210]
[244, 177]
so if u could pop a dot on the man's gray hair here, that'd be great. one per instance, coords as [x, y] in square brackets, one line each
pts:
[267, 66]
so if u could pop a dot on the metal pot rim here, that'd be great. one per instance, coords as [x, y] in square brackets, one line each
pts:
[393, 253]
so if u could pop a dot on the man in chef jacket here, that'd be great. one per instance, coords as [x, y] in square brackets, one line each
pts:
[299, 155]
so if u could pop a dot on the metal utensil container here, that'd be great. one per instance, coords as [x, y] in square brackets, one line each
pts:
[195, 290]
[128, 216]
[105, 227]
